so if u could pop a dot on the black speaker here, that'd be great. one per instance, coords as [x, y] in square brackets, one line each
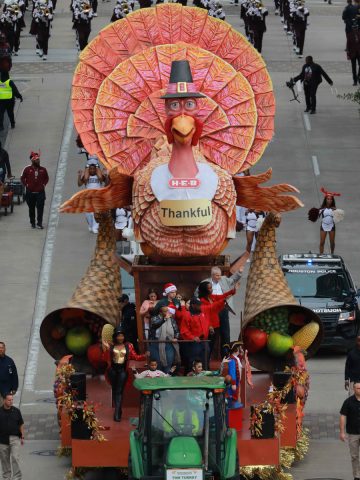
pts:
[268, 425]
[79, 428]
[280, 379]
[78, 385]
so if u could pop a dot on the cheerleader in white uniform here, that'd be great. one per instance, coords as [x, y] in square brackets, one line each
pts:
[329, 216]
[251, 218]
[327, 227]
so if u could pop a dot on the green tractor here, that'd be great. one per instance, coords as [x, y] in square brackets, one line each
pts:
[182, 432]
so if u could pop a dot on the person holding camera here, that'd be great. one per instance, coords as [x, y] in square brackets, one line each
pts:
[91, 178]
[311, 76]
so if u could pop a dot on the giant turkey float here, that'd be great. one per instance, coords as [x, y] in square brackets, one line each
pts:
[176, 104]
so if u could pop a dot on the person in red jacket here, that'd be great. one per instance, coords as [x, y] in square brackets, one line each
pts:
[194, 327]
[211, 306]
[117, 356]
[35, 178]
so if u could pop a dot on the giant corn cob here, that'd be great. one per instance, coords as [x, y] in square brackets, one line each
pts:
[304, 337]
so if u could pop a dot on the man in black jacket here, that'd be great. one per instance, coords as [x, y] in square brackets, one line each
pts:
[348, 15]
[311, 76]
[9, 381]
[5, 168]
[352, 367]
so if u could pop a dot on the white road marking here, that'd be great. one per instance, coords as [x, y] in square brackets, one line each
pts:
[47, 257]
[315, 165]
[307, 122]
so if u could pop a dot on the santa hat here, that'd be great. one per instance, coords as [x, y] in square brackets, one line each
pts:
[171, 308]
[169, 287]
[330, 194]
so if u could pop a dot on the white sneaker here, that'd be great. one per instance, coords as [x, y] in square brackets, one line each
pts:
[90, 229]
[288, 33]
[37, 50]
[300, 56]
[44, 57]
[95, 230]
[276, 12]
[294, 48]
[41, 53]
[95, 15]
[16, 54]
[297, 50]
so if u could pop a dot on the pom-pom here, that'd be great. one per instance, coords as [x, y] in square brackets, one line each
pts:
[128, 233]
[338, 215]
[313, 214]
[239, 226]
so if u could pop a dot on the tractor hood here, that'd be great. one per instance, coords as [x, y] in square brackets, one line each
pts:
[184, 452]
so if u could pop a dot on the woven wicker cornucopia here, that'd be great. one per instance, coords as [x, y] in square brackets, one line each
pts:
[95, 297]
[267, 288]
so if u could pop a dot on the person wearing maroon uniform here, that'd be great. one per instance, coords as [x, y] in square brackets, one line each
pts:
[35, 178]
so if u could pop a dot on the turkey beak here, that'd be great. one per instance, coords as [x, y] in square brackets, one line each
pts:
[183, 128]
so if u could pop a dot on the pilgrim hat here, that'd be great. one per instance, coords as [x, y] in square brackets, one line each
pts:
[181, 83]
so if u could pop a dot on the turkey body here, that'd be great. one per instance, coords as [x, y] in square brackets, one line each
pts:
[182, 241]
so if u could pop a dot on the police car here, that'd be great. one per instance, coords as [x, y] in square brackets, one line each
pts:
[324, 284]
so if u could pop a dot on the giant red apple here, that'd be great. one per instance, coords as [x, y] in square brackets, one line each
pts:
[95, 356]
[254, 339]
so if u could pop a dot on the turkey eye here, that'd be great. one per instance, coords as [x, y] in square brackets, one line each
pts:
[175, 106]
[190, 105]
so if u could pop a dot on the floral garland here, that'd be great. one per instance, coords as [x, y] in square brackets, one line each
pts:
[88, 409]
[273, 403]
[64, 395]
[62, 382]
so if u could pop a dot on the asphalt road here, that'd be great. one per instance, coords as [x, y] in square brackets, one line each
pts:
[40, 269]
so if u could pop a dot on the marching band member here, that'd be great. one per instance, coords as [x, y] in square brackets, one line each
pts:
[254, 13]
[83, 14]
[299, 23]
[11, 24]
[5, 54]
[42, 16]
[215, 10]
[259, 25]
[122, 8]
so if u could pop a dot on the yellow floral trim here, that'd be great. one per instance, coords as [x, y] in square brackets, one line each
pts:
[287, 457]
